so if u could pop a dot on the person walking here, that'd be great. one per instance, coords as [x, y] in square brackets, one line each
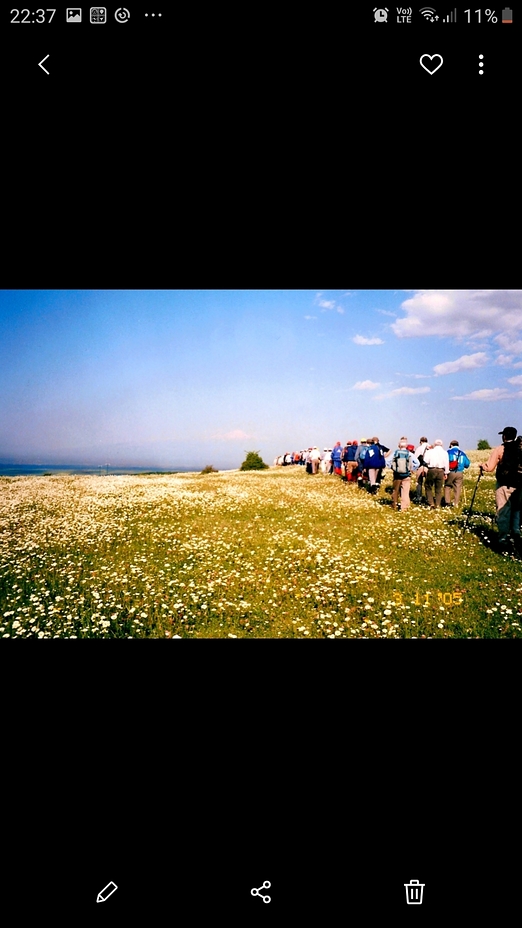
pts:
[337, 454]
[422, 471]
[437, 462]
[351, 465]
[507, 459]
[402, 464]
[315, 457]
[458, 463]
[375, 461]
[360, 456]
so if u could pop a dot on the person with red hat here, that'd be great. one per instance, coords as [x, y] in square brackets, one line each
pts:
[507, 460]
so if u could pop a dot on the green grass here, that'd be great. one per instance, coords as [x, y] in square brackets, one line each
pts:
[277, 553]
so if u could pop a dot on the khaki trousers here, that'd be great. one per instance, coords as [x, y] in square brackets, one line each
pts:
[508, 510]
[401, 486]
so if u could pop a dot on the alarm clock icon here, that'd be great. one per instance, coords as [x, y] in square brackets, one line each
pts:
[380, 16]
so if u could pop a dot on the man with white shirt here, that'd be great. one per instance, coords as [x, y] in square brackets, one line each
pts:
[437, 461]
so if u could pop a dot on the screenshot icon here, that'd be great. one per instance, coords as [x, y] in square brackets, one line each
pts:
[98, 14]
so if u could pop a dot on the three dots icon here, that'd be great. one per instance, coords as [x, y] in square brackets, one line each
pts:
[481, 64]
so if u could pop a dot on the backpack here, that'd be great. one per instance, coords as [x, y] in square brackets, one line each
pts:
[454, 455]
[374, 458]
[509, 470]
[401, 463]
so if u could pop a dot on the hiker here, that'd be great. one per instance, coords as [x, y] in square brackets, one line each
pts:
[326, 461]
[402, 464]
[315, 457]
[422, 471]
[337, 454]
[351, 463]
[458, 463]
[437, 462]
[507, 459]
[344, 458]
[375, 462]
[360, 456]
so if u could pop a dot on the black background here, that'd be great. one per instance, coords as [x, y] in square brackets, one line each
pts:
[254, 148]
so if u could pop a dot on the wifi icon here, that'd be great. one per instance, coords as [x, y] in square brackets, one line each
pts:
[429, 14]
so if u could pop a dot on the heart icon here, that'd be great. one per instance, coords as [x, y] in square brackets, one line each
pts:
[431, 68]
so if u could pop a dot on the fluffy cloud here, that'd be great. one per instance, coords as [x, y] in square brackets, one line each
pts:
[234, 435]
[461, 313]
[407, 391]
[361, 340]
[366, 385]
[325, 305]
[498, 393]
[466, 362]
[516, 380]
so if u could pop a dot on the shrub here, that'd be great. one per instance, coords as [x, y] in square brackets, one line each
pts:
[209, 469]
[483, 445]
[253, 461]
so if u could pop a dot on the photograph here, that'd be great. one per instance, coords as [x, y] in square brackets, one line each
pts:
[244, 464]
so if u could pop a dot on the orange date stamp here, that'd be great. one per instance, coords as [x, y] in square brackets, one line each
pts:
[431, 599]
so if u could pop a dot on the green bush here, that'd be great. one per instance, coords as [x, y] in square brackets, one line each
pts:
[483, 445]
[209, 469]
[253, 461]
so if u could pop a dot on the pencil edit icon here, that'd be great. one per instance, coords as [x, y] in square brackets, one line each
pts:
[107, 891]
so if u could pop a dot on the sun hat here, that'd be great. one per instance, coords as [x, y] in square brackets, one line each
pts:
[509, 433]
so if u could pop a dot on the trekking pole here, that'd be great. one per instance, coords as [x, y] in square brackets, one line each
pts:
[472, 500]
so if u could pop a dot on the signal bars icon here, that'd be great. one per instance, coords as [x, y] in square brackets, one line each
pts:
[451, 17]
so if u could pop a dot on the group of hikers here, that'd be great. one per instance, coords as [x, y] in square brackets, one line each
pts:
[439, 471]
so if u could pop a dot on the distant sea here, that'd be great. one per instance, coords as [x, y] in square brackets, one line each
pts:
[37, 470]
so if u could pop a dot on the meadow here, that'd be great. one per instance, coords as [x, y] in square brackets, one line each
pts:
[270, 554]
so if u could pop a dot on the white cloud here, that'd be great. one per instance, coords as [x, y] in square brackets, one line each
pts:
[506, 342]
[361, 340]
[365, 385]
[310, 317]
[408, 391]
[325, 305]
[498, 393]
[466, 362]
[234, 435]
[504, 359]
[516, 380]
[461, 313]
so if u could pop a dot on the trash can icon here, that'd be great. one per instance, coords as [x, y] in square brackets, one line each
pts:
[414, 891]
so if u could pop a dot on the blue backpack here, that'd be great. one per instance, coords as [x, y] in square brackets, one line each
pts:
[401, 463]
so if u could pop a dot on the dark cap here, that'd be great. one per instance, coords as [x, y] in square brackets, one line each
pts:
[509, 433]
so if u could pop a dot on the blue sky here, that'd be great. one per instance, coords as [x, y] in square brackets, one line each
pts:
[189, 378]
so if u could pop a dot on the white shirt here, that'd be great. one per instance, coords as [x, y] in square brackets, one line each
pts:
[437, 457]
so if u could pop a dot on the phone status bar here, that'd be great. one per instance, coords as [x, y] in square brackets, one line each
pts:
[91, 15]
[430, 16]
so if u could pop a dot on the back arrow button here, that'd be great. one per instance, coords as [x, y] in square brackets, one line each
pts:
[40, 64]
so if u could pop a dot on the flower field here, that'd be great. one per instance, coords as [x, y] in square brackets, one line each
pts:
[267, 554]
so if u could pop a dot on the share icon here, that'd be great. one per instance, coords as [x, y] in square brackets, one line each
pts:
[255, 892]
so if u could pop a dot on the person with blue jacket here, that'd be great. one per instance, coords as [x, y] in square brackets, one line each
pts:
[458, 462]
[337, 454]
[375, 462]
